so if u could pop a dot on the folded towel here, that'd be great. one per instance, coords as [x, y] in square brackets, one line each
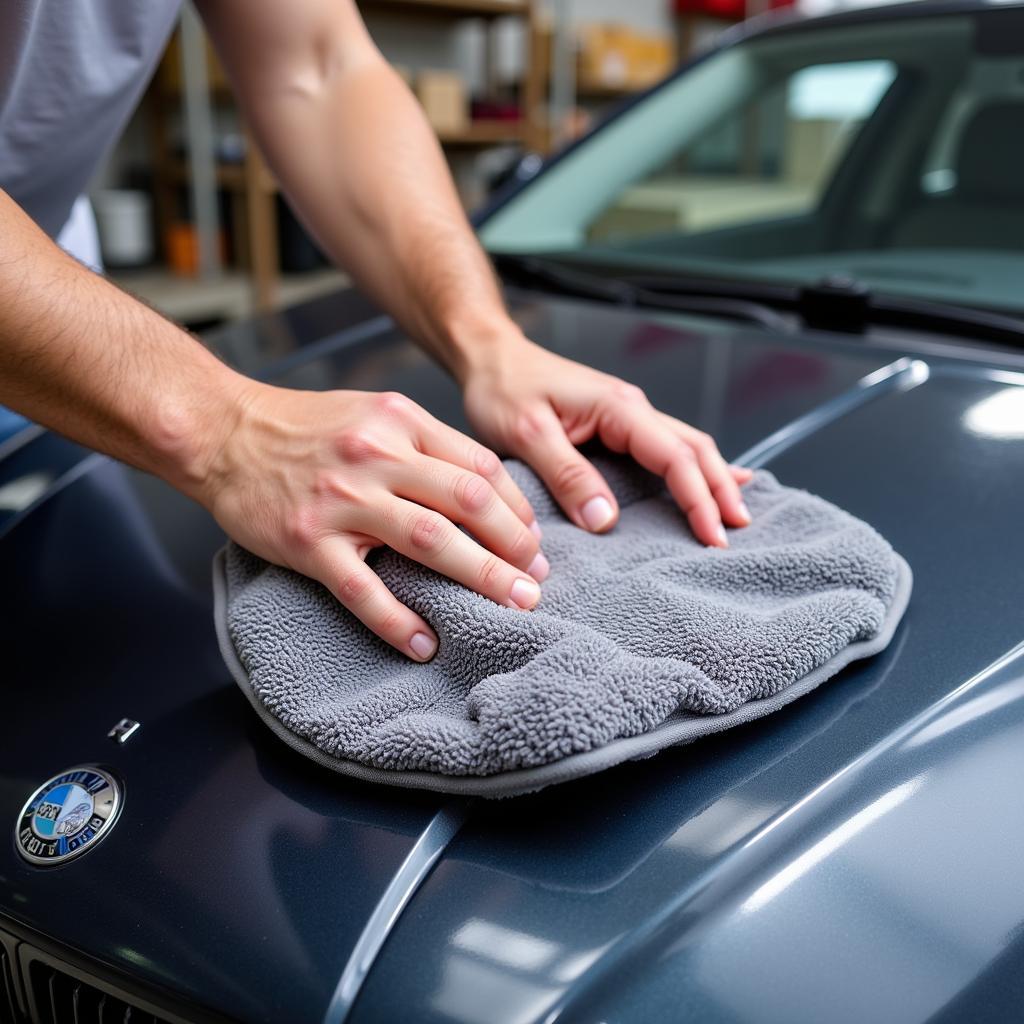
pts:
[644, 638]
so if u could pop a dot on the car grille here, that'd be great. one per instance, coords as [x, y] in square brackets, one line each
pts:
[38, 987]
[10, 1012]
[56, 997]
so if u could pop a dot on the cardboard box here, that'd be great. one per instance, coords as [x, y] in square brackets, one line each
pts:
[616, 57]
[445, 101]
[652, 58]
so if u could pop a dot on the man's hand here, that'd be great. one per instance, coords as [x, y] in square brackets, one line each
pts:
[313, 85]
[313, 481]
[538, 406]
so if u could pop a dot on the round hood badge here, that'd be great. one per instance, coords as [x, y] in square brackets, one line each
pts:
[67, 815]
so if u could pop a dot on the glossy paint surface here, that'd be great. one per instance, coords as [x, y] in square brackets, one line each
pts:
[855, 857]
[764, 874]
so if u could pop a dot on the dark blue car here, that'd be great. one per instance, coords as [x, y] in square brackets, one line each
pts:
[809, 243]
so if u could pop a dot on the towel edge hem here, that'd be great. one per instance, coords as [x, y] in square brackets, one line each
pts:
[528, 780]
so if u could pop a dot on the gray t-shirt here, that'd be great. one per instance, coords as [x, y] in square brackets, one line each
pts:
[71, 73]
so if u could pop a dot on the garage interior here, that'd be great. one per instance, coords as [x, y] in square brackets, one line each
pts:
[191, 220]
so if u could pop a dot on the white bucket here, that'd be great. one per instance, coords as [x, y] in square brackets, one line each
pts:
[124, 218]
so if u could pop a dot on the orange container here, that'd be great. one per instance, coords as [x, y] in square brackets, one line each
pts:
[182, 246]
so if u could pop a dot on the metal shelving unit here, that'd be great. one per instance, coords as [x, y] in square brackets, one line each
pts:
[251, 186]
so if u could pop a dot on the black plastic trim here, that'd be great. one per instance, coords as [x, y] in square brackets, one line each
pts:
[28, 949]
[12, 1000]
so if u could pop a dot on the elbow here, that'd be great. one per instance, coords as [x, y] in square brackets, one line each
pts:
[324, 63]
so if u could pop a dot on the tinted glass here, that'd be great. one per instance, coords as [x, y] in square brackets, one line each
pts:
[892, 152]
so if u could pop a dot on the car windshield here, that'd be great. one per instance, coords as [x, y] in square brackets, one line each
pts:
[890, 151]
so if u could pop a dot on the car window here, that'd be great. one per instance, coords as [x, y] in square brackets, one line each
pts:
[985, 83]
[772, 156]
[890, 150]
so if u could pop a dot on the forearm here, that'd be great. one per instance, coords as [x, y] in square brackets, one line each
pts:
[356, 157]
[364, 170]
[83, 358]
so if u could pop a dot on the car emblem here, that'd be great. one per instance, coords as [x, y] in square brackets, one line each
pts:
[68, 815]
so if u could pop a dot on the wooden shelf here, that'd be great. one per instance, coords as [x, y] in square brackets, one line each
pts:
[232, 177]
[229, 296]
[484, 133]
[250, 185]
[453, 8]
[603, 91]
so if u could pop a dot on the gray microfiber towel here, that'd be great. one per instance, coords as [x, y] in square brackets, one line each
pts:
[644, 638]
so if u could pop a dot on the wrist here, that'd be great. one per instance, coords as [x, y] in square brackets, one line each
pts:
[480, 343]
[189, 432]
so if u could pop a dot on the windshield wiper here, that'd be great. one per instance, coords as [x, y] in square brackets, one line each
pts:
[840, 303]
[844, 304]
[835, 303]
[626, 291]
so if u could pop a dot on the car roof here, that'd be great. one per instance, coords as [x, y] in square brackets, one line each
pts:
[787, 19]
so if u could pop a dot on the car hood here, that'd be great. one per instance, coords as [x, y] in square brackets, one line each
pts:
[855, 855]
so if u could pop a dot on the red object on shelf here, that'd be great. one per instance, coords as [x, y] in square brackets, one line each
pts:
[735, 10]
[495, 110]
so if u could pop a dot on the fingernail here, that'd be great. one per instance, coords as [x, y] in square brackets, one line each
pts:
[422, 646]
[596, 513]
[524, 593]
[539, 568]
[535, 529]
[723, 541]
[745, 512]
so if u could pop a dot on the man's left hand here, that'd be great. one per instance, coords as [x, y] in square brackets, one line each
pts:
[538, 406]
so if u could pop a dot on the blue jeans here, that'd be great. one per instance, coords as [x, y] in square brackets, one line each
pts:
[10, 423]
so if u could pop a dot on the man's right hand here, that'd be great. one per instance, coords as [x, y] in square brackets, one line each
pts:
[308, 480]
[314, 481]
